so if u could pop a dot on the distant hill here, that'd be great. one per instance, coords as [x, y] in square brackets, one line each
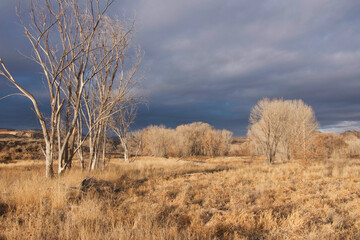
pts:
[27, 133]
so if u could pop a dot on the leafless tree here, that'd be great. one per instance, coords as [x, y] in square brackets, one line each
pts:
[267, 121]
[120, 123]
[136, 141]
[195, 139]
[303, 127]
[112, 86]
[280, 126]
[70, 42]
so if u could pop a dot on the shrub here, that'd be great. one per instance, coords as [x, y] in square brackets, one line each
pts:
[4, 156]
[195, 139]
[328, 145]
[352, 139]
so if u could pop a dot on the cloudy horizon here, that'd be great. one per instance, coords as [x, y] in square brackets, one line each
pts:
[211, 61]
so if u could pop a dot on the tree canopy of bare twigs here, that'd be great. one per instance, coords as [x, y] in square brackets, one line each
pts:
[281, 127]
[121, 121]
[83, 54]
[195, 139]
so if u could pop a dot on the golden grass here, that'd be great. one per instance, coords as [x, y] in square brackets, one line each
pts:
[194, 198]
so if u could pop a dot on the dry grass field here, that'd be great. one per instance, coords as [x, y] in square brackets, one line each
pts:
[152, 198]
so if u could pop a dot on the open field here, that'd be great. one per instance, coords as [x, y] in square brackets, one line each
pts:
[217, 198]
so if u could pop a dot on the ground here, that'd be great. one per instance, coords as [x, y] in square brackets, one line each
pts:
[194, 198]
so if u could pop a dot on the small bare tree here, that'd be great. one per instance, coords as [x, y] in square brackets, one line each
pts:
[136, 142]
[120, 123]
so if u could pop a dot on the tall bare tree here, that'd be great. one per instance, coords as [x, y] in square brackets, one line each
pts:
[303, 128]
[112, 86]
[281, 125]
[70, 43]
[267, 121]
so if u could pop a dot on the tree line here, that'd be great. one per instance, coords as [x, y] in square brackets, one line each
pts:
[194, 139]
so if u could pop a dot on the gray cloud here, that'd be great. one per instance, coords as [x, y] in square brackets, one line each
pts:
[212, 60]
[342, 127]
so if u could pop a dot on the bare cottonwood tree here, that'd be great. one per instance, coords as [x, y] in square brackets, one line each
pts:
[194, 139]
[120, 123]
[136, 142]
[112, 86]
[280, 126]
[302, 129]
[67, 38]
[267, 121]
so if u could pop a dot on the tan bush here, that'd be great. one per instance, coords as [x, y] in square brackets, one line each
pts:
[195, 139]
[201, 139]
[157, 141]
[352, 139]
[4, 156]
[328, 145]
[240, 149]
[20, 149]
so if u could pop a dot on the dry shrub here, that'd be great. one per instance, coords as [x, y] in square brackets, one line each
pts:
[195, 139]
[328, 145]
[158, 141]
[240, 149]
[352, 139]
[4, 156]
[20, 149]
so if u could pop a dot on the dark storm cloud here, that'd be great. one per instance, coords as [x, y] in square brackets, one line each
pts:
[211, 60]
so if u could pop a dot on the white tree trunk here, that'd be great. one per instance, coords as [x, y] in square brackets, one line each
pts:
[126, 151]
[49, 172]
[81, 158]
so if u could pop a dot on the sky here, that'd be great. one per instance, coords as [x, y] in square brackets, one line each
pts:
[213, 60]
